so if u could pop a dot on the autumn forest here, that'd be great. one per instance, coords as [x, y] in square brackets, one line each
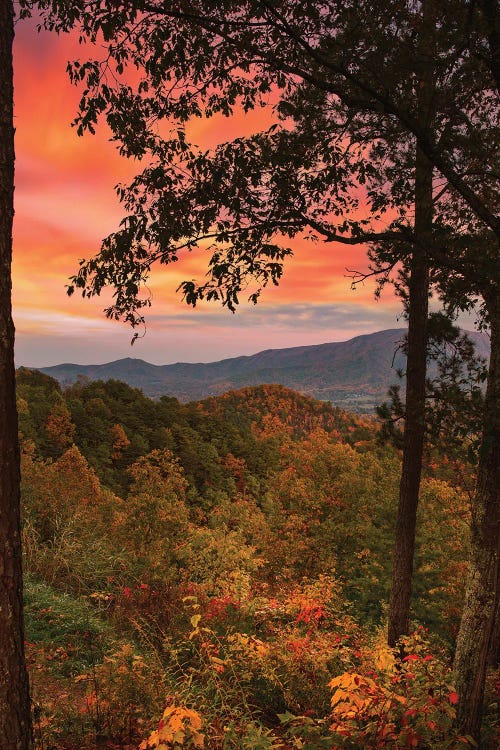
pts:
[227, 563]
[257, 569]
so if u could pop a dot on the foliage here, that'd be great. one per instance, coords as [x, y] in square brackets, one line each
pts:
[343, 135]
[156, 518]
[121, 690]
[455, 393]
[178, 727]
[66, 515]
[67, 628]
[404, 703]
[240, 600]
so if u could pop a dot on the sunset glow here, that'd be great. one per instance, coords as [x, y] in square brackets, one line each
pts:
[65, 204]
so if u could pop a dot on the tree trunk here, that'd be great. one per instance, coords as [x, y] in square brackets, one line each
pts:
[416, 368]
[418, 303]
[15, 722]
[477, 627]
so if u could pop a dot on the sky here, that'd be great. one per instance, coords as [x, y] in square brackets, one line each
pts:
[65, 205]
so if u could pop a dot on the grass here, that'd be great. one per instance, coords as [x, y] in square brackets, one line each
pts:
[69, 632]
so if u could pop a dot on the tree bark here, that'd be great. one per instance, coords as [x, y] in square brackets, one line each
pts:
[477, 627]
[416, 369]
[413, 446]
[15, 722]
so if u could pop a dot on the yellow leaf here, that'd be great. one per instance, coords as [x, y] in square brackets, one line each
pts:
[195, 619]
[175, 722]
[195, 718]
[384, 659]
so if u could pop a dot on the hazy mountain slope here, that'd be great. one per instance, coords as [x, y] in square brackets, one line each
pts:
[355, 374]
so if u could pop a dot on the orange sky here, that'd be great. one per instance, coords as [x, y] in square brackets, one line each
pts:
[65, 204]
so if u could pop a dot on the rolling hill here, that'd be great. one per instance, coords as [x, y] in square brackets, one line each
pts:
[354, 374]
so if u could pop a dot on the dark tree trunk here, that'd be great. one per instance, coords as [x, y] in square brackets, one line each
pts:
[477, 627]
[418, 304]
[416, 368]
[15, 722]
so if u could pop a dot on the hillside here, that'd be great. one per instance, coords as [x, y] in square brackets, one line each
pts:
[232, 555]
[354, 374]
[199, 432]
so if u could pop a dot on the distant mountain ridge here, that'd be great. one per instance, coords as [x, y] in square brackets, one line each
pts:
[354, 374]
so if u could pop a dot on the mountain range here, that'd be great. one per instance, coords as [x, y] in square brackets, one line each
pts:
[354, 374]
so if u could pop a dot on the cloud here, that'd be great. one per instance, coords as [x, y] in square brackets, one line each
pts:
[202, 335]
[65, 205]
[299, 316]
